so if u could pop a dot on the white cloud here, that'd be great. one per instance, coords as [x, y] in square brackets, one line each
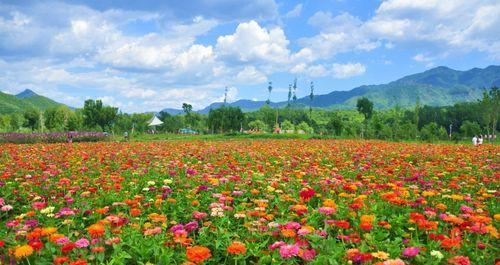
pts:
[421, 58]
[449, 25]
[335, 70]
[339, 34]
[295, 12]
[348, 70]
[252, 44]
[250, 75]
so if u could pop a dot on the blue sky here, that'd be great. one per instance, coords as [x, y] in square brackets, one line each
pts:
[146, 55]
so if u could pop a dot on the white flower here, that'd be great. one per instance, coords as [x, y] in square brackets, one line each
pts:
[437, 254]
[167, 181]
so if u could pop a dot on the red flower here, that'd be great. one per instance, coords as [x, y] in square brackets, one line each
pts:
[61, 260]
[2, 243]
[36, 244]
[307, 193]
[78, 262]
[68, 247]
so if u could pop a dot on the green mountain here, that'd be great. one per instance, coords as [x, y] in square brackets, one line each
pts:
[23, 101]
[440, 86]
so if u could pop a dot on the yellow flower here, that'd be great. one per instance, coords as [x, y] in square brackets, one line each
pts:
[381, 255]
[23, 251]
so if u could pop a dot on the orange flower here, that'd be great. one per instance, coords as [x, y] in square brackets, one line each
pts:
[96, 230]
[237, 248]
[198, 254]
[48, 231]
[134, 212]
[288, 233]
[23, 251]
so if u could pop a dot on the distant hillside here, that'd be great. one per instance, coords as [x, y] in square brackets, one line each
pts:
[440, 86]
[23, 101]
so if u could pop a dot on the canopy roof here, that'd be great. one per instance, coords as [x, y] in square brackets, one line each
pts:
[155, 121]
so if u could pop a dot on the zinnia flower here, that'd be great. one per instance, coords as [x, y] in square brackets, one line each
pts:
[411, 252]
[198, 254]
[96, 230]
[288, 251]
[23, 251]
[394, 262]
[237, 248]
[82, 243]
[459, 260]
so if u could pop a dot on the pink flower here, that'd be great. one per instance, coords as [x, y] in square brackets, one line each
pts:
[199, 215]
[288, 251]
[459, 260]
[82, 243]
[152, 231]
[308, 254]
[394, 262]
[303, 232]
[62, 241]
[38, 205]
[191, 226]
[326, 210]
[411, 252]
[6, 208]
[292, 225]
[276, 245]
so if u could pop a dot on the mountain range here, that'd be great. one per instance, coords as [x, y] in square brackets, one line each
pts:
[440, 86]
[23, 101]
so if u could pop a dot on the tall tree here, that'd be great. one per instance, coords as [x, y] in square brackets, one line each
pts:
[311, 96]
[294, 90]
[95, 114]
[187, 108]
[270, 89]
[289, 94]
[32, 119]
[365, 107]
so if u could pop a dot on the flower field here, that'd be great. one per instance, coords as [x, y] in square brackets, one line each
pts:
[249, 202]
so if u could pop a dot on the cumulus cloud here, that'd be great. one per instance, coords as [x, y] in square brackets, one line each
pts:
[251, 43]
[336, 70]
[458, 25]
[295, 12]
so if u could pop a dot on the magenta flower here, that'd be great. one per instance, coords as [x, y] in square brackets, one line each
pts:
[411, 252]
[326, 210]
[276, 245]
[82, 243]
[308, 254]
[288, 251]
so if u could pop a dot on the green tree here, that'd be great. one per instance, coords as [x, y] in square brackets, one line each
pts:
[270, 89]
[32, 119]
[187, 108]
[97, 115]
[335, 125]
[470, 129]
[257, 125]
[432, 132]
[286, 125]
[304, 127]
[365, 107]
[225, 119]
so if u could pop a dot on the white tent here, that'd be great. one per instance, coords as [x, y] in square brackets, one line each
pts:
[155, 121]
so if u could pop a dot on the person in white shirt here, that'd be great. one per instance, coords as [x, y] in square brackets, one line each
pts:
[474, 140]
[480, 140]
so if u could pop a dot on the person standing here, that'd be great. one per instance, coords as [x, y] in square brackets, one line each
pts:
[474, 140]
[480, 140]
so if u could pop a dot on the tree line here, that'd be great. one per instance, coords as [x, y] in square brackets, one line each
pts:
[427, 123]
